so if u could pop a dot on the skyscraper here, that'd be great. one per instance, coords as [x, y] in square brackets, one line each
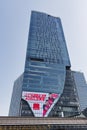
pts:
[81, 86]
[47, 86]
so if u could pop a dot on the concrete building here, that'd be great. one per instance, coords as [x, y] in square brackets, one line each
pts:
[21, 123]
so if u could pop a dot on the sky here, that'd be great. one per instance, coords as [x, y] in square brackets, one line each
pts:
[14, 28]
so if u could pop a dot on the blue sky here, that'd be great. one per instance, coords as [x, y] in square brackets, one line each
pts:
[14, 28]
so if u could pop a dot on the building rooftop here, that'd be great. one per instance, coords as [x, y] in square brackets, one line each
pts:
[26, 123]
[40, 121]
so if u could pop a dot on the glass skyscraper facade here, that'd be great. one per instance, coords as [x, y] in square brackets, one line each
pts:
[48, 86]
[81, 88]
[16, 97]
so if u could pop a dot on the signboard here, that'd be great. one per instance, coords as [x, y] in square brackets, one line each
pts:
[40, 103]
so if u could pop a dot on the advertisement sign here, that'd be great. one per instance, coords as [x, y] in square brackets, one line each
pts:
[40, 103]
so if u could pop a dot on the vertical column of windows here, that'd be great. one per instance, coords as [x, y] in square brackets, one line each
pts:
[45, 32]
